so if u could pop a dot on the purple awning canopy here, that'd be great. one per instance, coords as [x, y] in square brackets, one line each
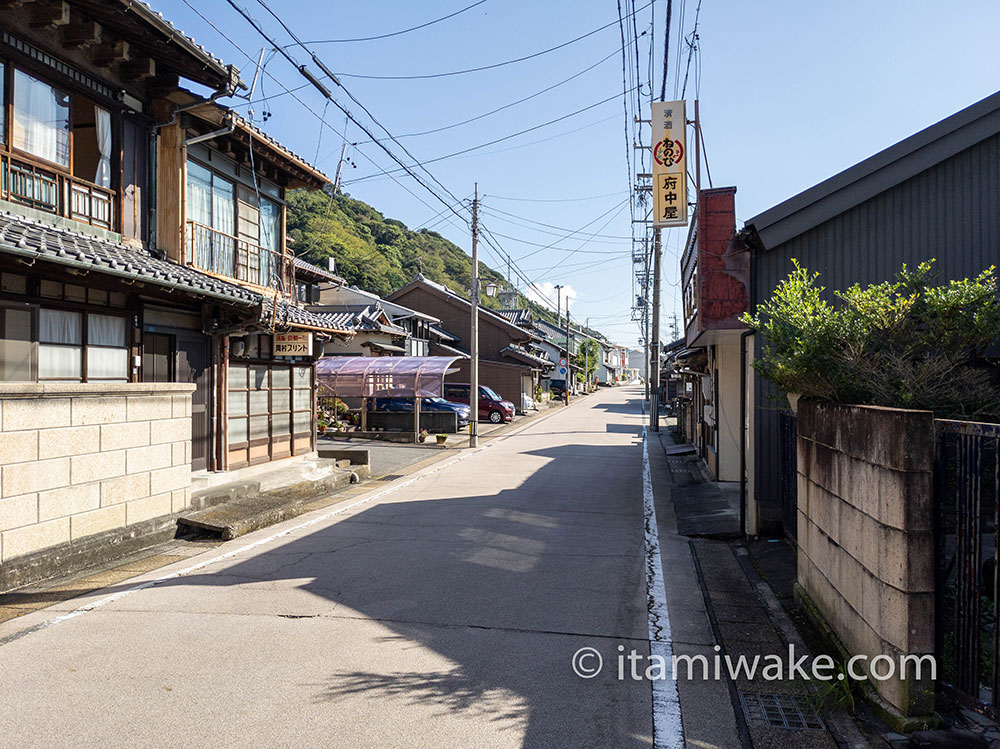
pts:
[384, 376]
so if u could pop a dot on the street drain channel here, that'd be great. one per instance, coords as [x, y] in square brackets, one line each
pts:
[780, 711]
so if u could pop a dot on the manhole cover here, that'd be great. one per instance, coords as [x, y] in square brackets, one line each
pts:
[780, 711]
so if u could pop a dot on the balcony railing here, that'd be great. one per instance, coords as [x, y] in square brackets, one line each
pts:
[225, 255]
[27, 183]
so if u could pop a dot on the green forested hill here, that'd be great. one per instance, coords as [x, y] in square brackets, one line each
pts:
[376, 253]
[380, 254]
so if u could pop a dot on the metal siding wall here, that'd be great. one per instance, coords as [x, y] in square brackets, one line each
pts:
[950, 212]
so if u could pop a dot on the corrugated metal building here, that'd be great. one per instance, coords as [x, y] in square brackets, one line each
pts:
[934, 195]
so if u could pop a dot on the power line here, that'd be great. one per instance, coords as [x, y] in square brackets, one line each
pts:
[504, 138]
[302, 69]
[397, 33]
[351, 96]
[511, 104]
[517, 147]
[554, 200]
[552, 226]
[483, 67]
[692, 42]
[666, 51]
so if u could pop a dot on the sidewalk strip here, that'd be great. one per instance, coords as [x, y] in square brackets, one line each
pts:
[668, 731]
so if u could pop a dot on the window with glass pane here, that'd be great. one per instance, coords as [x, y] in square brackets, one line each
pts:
[237, 404]
[223, 218]
[41, 119]
[15, 345]
[60, 353]
[107, 354]
[3, 109]
[270, 241]
[302, 419]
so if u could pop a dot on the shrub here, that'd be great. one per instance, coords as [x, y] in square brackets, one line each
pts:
[903, 344]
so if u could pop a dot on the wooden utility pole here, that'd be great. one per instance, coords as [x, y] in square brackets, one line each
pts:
[474, 334]
[569, 367]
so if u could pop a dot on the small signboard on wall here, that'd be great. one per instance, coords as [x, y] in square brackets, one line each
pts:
[293, 344]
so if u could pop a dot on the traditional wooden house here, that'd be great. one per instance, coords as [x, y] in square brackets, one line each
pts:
[506, 363]
[148, 321]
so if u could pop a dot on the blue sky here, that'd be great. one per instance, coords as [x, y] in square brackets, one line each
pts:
[790, 94]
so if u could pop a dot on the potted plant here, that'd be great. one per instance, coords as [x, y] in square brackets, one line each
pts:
[422, 436]
[441, 438]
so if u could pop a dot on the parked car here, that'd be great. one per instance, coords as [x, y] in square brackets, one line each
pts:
[491, 406]
[557, 389]
[426, 404]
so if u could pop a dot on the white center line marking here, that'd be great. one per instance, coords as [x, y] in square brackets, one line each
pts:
[668, 731]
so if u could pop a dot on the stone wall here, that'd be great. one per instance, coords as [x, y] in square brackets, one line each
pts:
[865, 535]
[82, 459]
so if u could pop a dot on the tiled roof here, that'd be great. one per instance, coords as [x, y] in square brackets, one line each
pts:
[523, 355]
[441, 333]
[484, 312]
[359, 317]
[168, 28]
[521, 317]
[288, 315]
[287, 152]
[33, 239]
[316, 270]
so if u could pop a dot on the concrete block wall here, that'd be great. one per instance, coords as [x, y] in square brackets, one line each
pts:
[865, 534]
[80, 459]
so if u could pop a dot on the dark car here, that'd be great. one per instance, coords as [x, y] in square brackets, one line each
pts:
[426, 404]
[491, 406]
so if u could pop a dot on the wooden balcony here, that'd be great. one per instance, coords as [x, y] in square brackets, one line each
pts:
[45, 189]
[231, 257]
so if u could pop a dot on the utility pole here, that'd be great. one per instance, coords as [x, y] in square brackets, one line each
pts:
[586, 357]
[569, 368]
[340, 167]
[474, 336]
[558, 306]
[654, 358]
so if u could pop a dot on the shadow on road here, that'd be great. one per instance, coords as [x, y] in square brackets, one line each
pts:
[505, 585]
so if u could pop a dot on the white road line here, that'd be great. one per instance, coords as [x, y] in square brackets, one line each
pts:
[668, 731]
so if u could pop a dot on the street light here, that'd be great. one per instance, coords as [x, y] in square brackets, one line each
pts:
[491, 289]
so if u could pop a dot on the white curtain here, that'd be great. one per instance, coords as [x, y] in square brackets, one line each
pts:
[224, 220]
[199, 209]
[41, 119]
[270, 227]
[59, 350]
[103, 123]
[57, 326]
[105, 330]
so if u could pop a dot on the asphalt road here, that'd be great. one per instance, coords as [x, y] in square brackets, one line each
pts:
[442, 613]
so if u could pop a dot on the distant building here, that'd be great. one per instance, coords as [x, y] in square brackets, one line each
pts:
[507, 362]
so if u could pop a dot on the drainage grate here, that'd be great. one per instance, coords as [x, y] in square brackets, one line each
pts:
[390, 477]
[780, 711]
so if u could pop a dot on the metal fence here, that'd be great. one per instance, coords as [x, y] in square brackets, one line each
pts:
[967, 549]
[788, 484]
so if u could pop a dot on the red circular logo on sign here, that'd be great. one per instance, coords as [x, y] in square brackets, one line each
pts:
[668, 152]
